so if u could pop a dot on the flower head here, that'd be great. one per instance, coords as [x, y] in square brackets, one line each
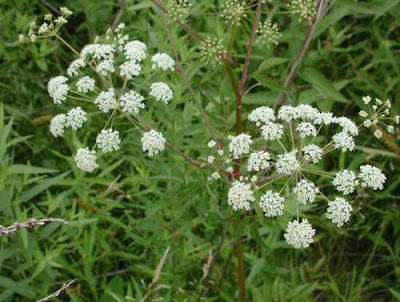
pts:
[85, 160]
[75, 118]
[240, 145]
[345, 181]
[57, 125]
[73, 69]
[343, 141]
[106, 100]
[299, 234]
[312, 153]
[131, 102]
[305, 191]
[85, 84]
[339, 211]
[130, 69]
[153, 142]
[161, 92]
[272, 204]
[58, 89]
[371, 177]
[262, 115]
[108, 140]
[258, 161]
[287, 163]
[272, 131]
[163, 61]
[240, 195]
[135, 50]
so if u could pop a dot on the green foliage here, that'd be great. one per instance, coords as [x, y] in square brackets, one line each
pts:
[123, 218]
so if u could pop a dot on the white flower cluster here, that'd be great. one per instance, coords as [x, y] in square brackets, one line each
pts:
[153, 142]
[240, 195]
[96, 67]
[48, 28]
[299, 234]
[258, 161]
[272, 204]
[377, 116]
[339, 211]
[240, 145]
[288, 152]
[234, 11]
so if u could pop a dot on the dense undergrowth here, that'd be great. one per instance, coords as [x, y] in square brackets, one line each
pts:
[125, 216]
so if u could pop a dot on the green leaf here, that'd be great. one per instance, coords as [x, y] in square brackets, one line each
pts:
[322, 84]
[269, 63]
[36, 190]
[25, 169]
[268, 82]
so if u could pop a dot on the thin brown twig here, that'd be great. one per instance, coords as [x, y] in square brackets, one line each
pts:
[58, 292]
[30, 224]
[322, 6]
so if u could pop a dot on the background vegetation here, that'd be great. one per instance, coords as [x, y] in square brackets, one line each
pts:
[124, 217]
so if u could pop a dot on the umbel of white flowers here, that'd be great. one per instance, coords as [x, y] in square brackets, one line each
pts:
[90, 85]
[292, 154]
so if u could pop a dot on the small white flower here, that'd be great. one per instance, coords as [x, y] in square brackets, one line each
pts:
[339, 211]
[325, 118]
[163, 61]
[306, 112]
[343, 141]
[367, 123]
[75, 118]
[345, 181]
[272, 131]
[363, 113]
[130, 69]
[306, 129]
[371, 177]
[214, 176]
[98, 51]
[57, 125]
[108, 140]
[305, 191]
[366, 99]
[240, 195]
[153, 142]
[299, 234]
[131, 102]
[211, 143]
[258, 161]
[210, 159]
[85, 160]
[106, 100]
[220, 152]
[135, 50]
[287, 163]
[272, 204]
[240, 145]
[75, 66]
[348, 126]
[312, 153]
[44, 28]
[105, 67]
[85, 84]
[262, 115]
[287, 113]
[161, 92]
[58, 89]
[378, 134]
